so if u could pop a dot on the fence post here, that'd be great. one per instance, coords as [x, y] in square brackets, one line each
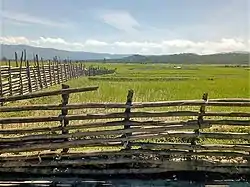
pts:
[28, 76]
[127, 118]
[61, 70]
[65, 121]
[58, 71]
[20, 76]
[199, 121]
[16, 59]
[75, 70]
[53, 70]
[50, 75]
[81, 67]
[68, 70]
[44, 74]
[24, 59]
[1, 86]
[10, 79]
[71, 70]
[65, 71]
[35, 79]
[89, 71]
[39, 73]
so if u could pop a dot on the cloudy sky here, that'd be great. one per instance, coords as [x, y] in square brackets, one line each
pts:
[128, 26]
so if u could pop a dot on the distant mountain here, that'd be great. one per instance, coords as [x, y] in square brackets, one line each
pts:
[190, 58]
[239, 57]
[48, 53]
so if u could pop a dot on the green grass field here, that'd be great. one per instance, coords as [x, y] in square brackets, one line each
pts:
[154, 83]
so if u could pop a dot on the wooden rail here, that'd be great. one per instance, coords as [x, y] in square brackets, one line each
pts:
[117, 105]
[140, 142]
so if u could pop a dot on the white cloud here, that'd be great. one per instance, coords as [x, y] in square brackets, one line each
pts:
[95, 43]
[29, 19]
[14, 40]
[121, 20]
[122, 47]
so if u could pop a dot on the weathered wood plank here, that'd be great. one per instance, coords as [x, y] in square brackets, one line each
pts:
[47, 93]
[111, 115]
[117, 141]
[170, 125]
[117, 105]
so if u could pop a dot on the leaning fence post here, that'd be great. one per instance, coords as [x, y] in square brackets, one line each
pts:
[1, 86]
[65, 71]
[16, 59]
[20, 76]
[127, 117]
[10, 79]
[35, 78]
[44, 74]
[199, 120]
[24, 59]
[65, 121]
[28, 76]
[50, 74]
[58, 71]
[39, 73]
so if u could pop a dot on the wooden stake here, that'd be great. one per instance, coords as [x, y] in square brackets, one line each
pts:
[10, 79]
[127, 118]
[39, 73]
[44, 75]
[50, 74]
[28, 76]
[20, 76]
[65, 121]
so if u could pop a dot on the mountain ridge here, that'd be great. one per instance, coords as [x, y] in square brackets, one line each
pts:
[8, 51]
[237, 57]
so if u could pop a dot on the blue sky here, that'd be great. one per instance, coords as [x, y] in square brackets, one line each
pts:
[131, 26]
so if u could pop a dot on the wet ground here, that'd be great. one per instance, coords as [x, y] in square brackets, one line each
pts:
[122, 183]
[185, 179]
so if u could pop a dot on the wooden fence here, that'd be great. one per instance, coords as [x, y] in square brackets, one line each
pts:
[28, 77]
[127, 141]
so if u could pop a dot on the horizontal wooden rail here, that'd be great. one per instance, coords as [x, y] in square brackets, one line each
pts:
[47, 93]
[119, 115]
[170, 125]
[231, 100]
[118, 141]
[122, 105]
[174, 125]
[160, 132]
[82, 162]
